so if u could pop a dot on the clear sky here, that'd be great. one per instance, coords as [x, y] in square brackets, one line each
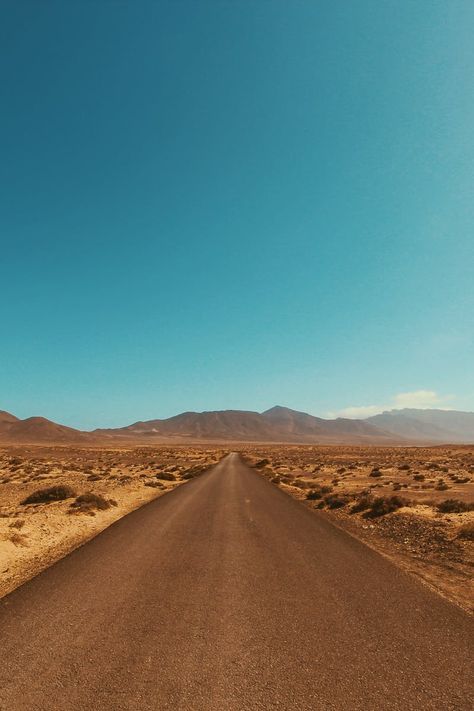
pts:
[210, 205]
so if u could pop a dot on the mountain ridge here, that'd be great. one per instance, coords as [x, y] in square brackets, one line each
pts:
[278, 424]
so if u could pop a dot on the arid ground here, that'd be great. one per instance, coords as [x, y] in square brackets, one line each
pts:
[79, 491]
[415, 505]
[227, 594]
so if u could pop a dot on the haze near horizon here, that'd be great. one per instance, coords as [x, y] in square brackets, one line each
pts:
[212, 206]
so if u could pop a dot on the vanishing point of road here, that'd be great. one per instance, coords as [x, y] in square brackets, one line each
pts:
[227, 595]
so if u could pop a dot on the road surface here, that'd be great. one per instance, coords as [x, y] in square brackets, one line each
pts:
[227, 595]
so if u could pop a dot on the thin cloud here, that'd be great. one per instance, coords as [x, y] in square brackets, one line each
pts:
[417, 399]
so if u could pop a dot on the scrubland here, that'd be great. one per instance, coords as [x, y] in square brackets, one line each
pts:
[53, 499]
[415, 505]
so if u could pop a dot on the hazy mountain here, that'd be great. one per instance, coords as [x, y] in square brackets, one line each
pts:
[448, 426]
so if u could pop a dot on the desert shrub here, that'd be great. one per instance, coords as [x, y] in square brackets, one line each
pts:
[326, 489]
[335, 501]
[397, 486]
[94, 477]
[404, 467]
[375, 473]
[383, 505]
[467, 531]
[261, 463]
[454, 506]
[314, 494]
[419, 477]
[165, 476]
[89, 500]
[154, 484]
[275, 479]
[441, 486]
[51, 493]
[364, 503]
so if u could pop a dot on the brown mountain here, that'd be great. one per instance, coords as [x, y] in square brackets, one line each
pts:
[279, 424]
[39, 430]
[7, 417]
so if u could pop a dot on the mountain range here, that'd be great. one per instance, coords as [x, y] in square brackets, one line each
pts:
[279, 424]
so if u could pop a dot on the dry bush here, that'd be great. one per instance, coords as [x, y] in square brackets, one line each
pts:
[335, 501]
[314, 494]
[165, 476]
[454, 506]
[51, 493]
[383, 505]
[364, 503]
[89, 500]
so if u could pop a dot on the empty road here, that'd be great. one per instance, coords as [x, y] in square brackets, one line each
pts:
[227, 595]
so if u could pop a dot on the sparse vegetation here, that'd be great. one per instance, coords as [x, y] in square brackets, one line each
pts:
[375, 473]
[165, 476]
[364, 503]
[336, 501]
[50, 494]
[454, 506]
[383, 505]
[90, 501]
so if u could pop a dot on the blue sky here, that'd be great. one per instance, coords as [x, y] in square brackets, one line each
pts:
[209, 205]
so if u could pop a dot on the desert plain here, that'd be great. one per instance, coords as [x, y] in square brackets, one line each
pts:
[413, 504]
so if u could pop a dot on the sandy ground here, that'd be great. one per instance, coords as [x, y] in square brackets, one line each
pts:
[33, 536]
[437, 546]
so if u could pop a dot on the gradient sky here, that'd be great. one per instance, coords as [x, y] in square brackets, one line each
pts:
[210, 205]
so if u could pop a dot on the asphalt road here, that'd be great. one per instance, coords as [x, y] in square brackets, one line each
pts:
[228, 595]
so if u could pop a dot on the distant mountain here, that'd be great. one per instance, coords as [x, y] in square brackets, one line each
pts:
[279, 424]
[447, 426]
[38, 430]
[7, 417]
